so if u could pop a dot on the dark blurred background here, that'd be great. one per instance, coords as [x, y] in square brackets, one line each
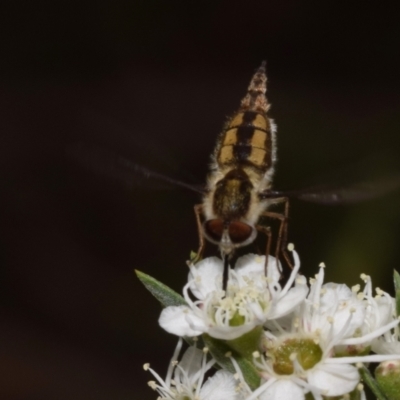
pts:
[155, 81]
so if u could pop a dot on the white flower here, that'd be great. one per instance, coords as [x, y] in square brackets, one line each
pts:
[380, 310]
[303, 358]
[185, 379]
[250, 300]
[388, 344]
[385, 308]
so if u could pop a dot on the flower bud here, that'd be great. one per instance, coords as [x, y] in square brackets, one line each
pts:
[387, 375]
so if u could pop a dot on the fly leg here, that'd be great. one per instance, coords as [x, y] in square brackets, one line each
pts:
[267, 231]
[198, 208]
[281, 242]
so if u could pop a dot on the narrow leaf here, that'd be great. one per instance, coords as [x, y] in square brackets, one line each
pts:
[165, 295]
[396, 277]
[219, 349]
[372, 383]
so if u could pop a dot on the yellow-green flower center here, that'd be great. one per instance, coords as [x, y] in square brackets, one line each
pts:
[305, 351]
[240, 306]
[237, 320]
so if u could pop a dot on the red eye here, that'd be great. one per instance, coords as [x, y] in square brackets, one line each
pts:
[239, 232]
[214, 228]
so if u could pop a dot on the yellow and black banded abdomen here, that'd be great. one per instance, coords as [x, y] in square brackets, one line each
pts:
[246, 141]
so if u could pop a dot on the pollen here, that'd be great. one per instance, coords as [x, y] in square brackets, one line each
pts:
[146, 366]
[322, 265]
[152, 384]
[356, 288]
[290, 247]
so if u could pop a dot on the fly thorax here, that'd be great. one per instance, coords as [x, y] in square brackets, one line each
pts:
[233, 195]
[226, 209]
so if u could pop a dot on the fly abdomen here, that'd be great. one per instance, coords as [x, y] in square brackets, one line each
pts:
[246, 141]
[248, 138]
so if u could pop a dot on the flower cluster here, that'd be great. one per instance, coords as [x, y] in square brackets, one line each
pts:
[273, 341]
[185, 378]
[251, 298]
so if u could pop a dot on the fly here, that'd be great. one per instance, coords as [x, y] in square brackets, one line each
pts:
[239, 190]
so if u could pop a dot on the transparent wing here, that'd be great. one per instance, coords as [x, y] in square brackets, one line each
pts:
[331, 195]
[117, 167]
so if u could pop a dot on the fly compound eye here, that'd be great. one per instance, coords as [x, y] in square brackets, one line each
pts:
[214, 228]
[239, 232]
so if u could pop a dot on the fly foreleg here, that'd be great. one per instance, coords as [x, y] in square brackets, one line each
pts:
[198, 209]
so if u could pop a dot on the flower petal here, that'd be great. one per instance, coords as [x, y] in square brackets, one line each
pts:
[190, 362]
[230, 332]
[334, 379]
[338, 301]
[181, 321]
[219, 387]
[252, 266]
[289, 302]
[386, 306]
[207, 276]
[283, 389]
[380, 346]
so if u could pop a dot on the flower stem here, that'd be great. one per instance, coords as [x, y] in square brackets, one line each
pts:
[372, 383]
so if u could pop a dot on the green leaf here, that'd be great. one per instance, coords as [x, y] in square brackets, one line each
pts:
[165, 295]
[396, 277]
[372, 383]
[219, 349]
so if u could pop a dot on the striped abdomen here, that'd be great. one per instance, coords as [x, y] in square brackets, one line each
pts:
[242, 167]
[246, 142]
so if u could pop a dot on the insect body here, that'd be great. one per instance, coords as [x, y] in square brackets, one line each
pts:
[239, 186]
[241, 171]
